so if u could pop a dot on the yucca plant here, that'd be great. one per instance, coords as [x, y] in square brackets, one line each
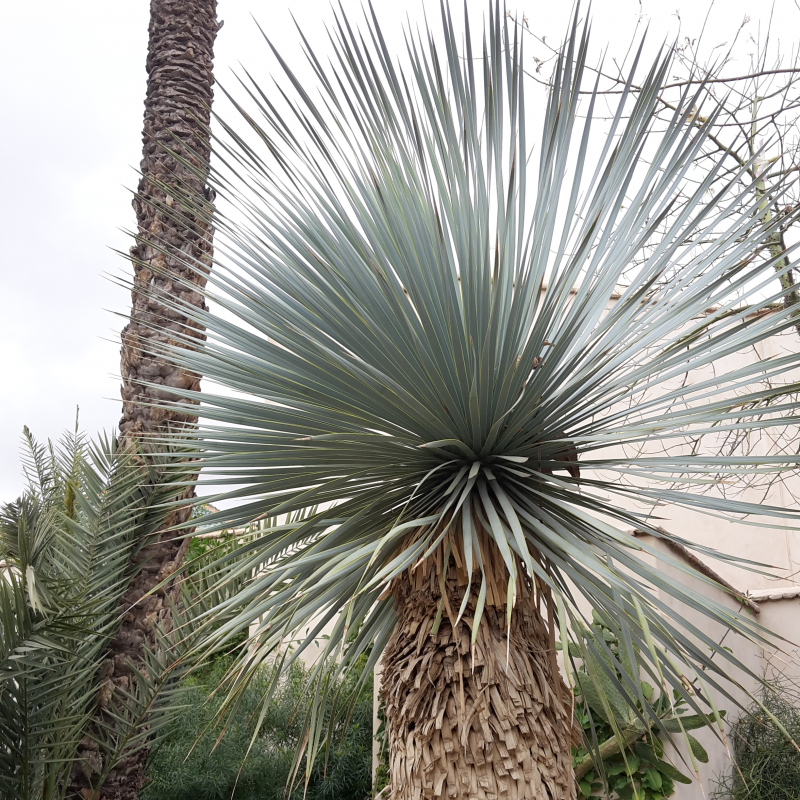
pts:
[428, 337]
[67, 549]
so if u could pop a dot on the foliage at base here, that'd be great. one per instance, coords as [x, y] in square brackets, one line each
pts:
[191, 764]
[382, 737]
[66, 561]
[635, 770]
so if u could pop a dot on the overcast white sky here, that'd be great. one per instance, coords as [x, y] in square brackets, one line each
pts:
[73, 88]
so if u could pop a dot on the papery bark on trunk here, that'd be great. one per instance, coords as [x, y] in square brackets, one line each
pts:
[490, 720]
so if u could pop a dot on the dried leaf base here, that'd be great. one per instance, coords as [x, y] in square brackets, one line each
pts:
[463, 722]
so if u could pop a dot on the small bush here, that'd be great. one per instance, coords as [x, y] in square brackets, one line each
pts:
[766, 763]
[188, 766]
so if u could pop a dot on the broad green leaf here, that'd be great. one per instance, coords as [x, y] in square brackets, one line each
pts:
[690, 722]
[673, 774]
[698, 751]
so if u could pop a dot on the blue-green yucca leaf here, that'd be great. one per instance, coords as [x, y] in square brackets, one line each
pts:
[428, 332]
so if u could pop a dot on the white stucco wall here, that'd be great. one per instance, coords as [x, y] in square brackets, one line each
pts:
[773, 543]
[780, 616]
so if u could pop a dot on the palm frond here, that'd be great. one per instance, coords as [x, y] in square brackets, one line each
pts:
[67, 546]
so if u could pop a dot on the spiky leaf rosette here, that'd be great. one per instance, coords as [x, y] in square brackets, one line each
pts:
[425, 332]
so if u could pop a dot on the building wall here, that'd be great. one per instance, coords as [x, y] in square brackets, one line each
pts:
[772, 543]
[779, 616]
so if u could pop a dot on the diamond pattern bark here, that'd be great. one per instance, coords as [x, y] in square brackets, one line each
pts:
[173, 239]
[171, 259]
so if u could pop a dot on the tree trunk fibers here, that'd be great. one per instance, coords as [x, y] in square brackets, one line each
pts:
[172, 238]
[171, 257]
[462, 720]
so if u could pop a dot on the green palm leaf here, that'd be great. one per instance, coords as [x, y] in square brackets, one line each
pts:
[397, 363]
[66, 550]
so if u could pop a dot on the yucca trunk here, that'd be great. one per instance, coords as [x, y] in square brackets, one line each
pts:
[481, 721]
[174, 238]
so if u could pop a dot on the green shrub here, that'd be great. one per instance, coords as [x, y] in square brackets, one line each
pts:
[382, 737]
[766, 763]
[188, 766]
[637, 770]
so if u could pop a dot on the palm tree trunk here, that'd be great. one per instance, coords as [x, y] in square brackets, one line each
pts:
[173, 210]
[170, 237]
[489, 720]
